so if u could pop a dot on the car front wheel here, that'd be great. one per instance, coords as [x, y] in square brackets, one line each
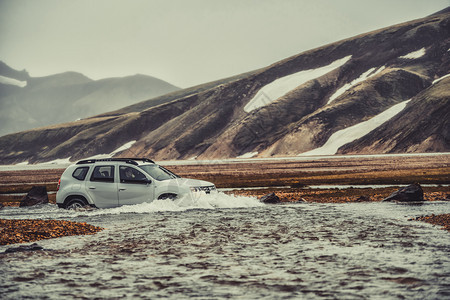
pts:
[167, 196]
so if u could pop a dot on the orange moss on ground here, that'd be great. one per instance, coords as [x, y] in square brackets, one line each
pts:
[439, 220]
[340, 195]
[24, 231]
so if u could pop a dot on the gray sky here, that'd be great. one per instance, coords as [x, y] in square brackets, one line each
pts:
[185, 42]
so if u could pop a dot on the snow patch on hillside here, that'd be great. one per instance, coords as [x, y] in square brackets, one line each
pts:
[347, 135]
[59, 161]
[440, 78]
[281, 86]
[12, 81]
[364, 76]
[122, 148]
[64, 162]
[414, 55]
[248, 155]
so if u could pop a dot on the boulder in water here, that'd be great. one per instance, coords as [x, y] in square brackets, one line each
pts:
[32, 247]
[270, 199]
[37, 195]
[408, 194]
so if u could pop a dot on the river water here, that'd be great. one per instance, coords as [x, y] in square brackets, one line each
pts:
[224, 246]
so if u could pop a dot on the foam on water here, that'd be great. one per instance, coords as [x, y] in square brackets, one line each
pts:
[199, 201]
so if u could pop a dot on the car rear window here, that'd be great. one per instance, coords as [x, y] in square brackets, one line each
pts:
[103, 173]
[80, 173]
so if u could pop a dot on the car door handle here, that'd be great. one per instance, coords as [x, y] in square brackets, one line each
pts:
[122, 189]
[92, 187]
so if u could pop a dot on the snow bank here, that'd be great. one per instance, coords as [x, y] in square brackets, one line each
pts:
[54, 164]
[281, 86]
[364, 76]
[415, 54]
[347, 135]
[12, 81]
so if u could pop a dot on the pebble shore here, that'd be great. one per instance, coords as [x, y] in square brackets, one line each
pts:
[24, 231]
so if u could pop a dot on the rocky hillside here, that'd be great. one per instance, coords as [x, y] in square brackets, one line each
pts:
[385, 91]
[28, 102]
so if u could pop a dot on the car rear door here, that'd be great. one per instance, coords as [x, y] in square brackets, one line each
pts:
[102, 186]
[134, 186]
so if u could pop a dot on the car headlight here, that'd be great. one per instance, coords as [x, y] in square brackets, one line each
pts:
[195, 189]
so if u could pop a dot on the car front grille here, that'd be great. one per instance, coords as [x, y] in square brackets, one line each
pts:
[206, 189]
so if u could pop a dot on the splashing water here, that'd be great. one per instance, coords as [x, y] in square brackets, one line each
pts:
[198, 201]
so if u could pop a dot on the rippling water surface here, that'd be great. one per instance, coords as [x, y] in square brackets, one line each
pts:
[234, 247]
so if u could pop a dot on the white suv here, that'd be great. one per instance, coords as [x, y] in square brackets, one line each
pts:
[113, 182]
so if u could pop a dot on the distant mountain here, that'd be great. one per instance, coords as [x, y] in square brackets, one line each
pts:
[28, 102]
[386, 91]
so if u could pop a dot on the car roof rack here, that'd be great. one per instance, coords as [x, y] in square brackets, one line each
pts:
[126, 160]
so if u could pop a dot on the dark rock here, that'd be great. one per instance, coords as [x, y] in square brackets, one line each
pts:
[32, 247]
[37, 195]
[301, 200]
[270, 199]
[363, 199]
[411, 193]
[285, 200]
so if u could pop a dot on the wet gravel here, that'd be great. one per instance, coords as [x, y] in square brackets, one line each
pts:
[304, 251]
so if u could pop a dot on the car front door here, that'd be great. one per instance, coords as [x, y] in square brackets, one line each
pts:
[102, 187]
[134, 186]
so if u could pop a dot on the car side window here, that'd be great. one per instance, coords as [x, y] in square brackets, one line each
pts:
[103, 173]
[131, 175]
[80, 173]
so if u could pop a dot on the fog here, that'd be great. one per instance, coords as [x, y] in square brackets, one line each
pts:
[182, 42]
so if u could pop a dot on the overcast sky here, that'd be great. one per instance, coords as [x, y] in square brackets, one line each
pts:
[185, 42]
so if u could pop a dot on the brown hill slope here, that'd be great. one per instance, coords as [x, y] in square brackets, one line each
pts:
[323, 91]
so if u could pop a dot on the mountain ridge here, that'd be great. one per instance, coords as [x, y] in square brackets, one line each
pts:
[69, 95]
[386, 67]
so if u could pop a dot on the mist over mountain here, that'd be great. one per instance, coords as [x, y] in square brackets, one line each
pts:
[28, 102]
[386, 91]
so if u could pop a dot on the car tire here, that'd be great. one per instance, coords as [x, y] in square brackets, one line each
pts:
[167, 196]
[75, 203]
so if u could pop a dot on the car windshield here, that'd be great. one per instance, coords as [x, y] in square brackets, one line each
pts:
[158, 172]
